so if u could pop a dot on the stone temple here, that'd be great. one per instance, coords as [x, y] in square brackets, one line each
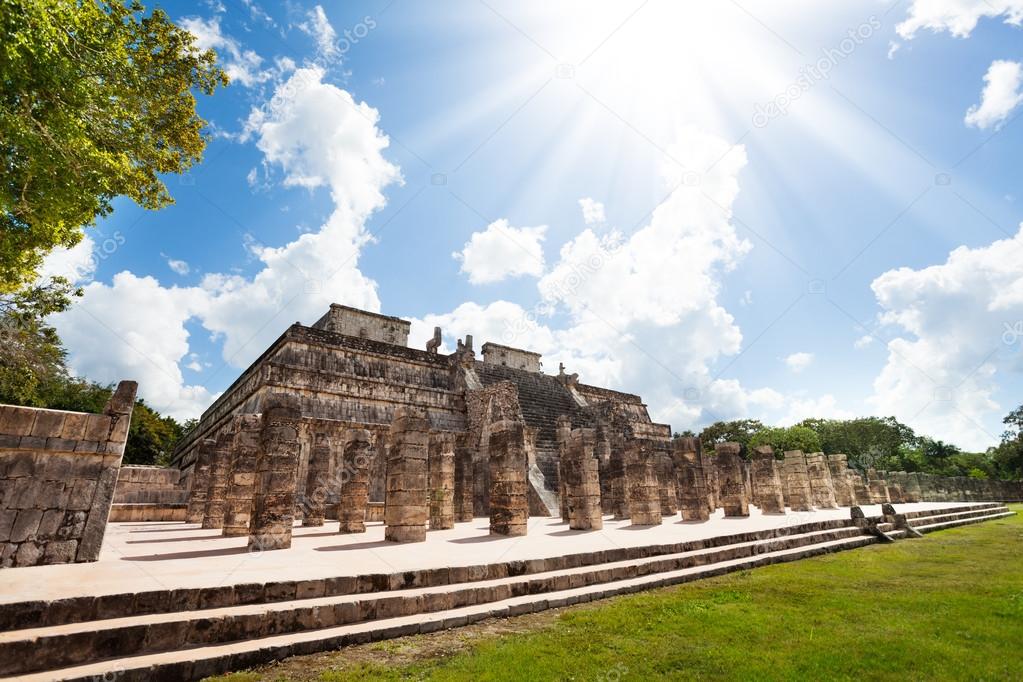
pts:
[353, 369]
[348, 488]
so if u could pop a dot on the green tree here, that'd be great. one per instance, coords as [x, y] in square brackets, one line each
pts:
[791, 438]
[31, 355]
[738, 431]
[868, 441]
[96, 103]
[1008, 456]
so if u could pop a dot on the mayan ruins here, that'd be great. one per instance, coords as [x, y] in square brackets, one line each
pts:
[343, 443]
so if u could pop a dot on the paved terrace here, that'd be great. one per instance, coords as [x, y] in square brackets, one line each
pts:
[144, 556]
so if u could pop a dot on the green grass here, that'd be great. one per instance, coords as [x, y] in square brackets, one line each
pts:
[947, 606]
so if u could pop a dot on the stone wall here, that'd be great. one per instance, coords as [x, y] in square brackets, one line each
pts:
[58, 471]
[150, 485]
[364, 324]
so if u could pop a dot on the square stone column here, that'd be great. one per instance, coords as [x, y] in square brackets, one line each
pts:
[242, 480]
[200, 481]
[463, 479]
[582, 481]
[821, 487]
[839, 466]
[860, 490]
[617, 484]
[317, 485]
[273, 507]
[644, 488]
[406, 507]
[734, 497]
[766, 473]
[356, 455]
[220, 473]
[877, 487]
[563, 431]
[442, 481]
[666, 483]
[509, 506]
[914, 492]
[692, 486]
[713, 484]
[796, 483]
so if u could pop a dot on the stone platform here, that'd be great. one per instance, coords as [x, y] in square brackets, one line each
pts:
[174, 601]
[147, 556]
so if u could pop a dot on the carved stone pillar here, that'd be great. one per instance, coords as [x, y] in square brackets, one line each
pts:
[463, 480]
[356, 455]
[406, 507]
[821, 487]
[509, 506]
[242, 481]
[618, 486]
[220, 472]
[582, 481]
[644, 490]
[442, 481]
[692, 485]
[317, 484]
[839, 466]
[273, 508]
[767, 481]
[666, 484]
[200, 481]
[797, 482]
[734, 497]
[563, 429]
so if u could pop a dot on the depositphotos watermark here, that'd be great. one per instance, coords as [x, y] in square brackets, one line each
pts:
[811, 74]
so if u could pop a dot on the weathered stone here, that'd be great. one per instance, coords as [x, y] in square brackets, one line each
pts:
[407, 504]
[666, 484]
[734, 497]
[877, 487]
[463, 480]
[318, 483]
[582, 483]
[355, 459]
[796, 483]
[509, 509]
[845, 495]
[767, 486]
[200, 481]
[821, 488]
[441, 466]
[644, 492]
[618, 486]
[692, 483]
[273, 508]
[242, 478]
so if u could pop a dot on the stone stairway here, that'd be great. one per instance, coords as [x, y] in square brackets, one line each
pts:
[191, 633]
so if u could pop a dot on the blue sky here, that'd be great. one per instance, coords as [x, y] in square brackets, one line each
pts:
[790, 211]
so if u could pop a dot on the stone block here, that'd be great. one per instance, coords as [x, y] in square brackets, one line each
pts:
[48, 424]
[26, 525]
[74, 426]
[16, 421]
[28, 554]
[60, 552]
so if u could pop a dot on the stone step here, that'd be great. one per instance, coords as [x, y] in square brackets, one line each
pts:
[34, 614]
[930, 528]
[201, 661]
[979, 506]
[943, 516]
[23, 651]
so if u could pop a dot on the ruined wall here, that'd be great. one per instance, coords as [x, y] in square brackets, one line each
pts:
[496, 354]
[58, 471]
[341, 319]
[150, 485]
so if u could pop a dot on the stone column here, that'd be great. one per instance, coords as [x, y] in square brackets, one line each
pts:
[242, 481]
[317, 481]
[563, 430]
[644, 492]
[692, 486]
[356, 455]
[821, 487]
[713, 485]
[733, 484]
[200, 481]
[877, 487]
[617, 484]
[407, 504]
[220, 472]
[666, 484]
[914, 492]
[442, 481]
[797, 482]
[509, 506]
[839, 467]
[582, 481]
[766, 472]
[860, 490]
[463, 480]
[273, 507]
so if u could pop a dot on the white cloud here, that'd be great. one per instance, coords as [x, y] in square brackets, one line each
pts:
[136, 328]
[593, 211]
[319, 28]
[824, 407]
[179, 266]
[952, 319]
[797, 362]
[863, 341]
[958, 17]
[747, 298]
[502, 251]
[242, 66]
[1001, 94]
[76, 264]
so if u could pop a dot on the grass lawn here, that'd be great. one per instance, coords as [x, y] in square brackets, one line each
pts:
[946, 606]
